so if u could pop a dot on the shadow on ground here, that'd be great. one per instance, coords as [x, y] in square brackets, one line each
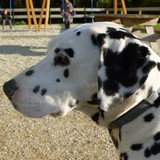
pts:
[23, 50]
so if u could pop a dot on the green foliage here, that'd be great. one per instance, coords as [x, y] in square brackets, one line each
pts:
[20, 22]
[157, 26]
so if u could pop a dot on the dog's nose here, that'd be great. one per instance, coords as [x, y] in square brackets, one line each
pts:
[9, 88]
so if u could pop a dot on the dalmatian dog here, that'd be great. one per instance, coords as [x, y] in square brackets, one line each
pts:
[105, 72]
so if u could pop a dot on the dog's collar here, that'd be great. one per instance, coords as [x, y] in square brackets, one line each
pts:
[136, 111]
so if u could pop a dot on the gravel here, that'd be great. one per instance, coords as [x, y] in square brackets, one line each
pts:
[73, 137]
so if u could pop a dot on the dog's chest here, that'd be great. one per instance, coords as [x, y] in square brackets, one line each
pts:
[139, 139]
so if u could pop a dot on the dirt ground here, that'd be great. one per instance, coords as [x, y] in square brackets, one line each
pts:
[74, 137]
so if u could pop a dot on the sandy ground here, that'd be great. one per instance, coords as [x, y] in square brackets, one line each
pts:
[74, 137]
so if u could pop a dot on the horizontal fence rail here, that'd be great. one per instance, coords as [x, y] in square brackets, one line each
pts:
[21, 13]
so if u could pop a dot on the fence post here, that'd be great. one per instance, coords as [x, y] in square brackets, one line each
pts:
[140, 11]
[13, 21]
[28, 14]
[47, 15]
[84, 14]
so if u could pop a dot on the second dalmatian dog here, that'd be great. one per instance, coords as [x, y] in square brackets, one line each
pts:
[107, 73]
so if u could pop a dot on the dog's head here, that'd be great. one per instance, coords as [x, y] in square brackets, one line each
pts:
[67, 77]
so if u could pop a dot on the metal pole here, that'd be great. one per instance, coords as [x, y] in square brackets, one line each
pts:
[62, 11]
[84, 14]
[92, 6]
[10, 5]
[11, 10]
[92, 16]
[73, 3]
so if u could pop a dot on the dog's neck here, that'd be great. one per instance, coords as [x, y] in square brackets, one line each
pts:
[131, 136]
[138, 137]
[134, 138]
[104, 118]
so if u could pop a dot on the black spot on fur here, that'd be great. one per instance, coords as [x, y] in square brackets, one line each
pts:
[149, 117]
[110, 131]
[57, 50]
[120, 134]
[136, 147]
[158, 66]
[147, 153]
[69, 52]
[43, 92]
[36, 89]
[94, 100]
[110, 87]
[124, 156]
[94, 40]
[58, 80]
[153, 150]
[66, 73]
[142, 80]
[150, 90]
[122, 67]
[128, 94]
[109, 57]
[110, 29]
[94, 96]
[61, 60]
[157, 102]
[130, 59]
[99, 83]
[150, 65]
[100, 39]
[29, 73]
[157, 136]
[143, 87]
[120, 35]
[95, 117]
[78, 33]
[101, 113]
[143, 51]
[115, 142]
[71, 105]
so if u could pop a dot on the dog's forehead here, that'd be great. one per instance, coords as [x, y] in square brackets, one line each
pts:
[80, 35]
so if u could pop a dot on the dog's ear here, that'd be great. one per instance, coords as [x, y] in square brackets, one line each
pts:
[101, 40]
[124, 63]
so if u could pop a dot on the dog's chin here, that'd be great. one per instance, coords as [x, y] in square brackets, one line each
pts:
[28, 114]
[38, 114]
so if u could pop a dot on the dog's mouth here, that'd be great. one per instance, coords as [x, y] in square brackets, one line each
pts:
[57, 114]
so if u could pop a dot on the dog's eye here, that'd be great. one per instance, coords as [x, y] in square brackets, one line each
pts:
[61, 60]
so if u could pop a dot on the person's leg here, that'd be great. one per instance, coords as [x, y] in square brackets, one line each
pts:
[67, 24]
[3, 23]
[10, 23]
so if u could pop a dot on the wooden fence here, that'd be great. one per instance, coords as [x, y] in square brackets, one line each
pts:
[54, 13]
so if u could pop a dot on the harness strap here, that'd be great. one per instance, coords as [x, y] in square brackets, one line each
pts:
[136, 111]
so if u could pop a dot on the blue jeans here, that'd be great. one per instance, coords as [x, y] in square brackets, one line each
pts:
[4, 21]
